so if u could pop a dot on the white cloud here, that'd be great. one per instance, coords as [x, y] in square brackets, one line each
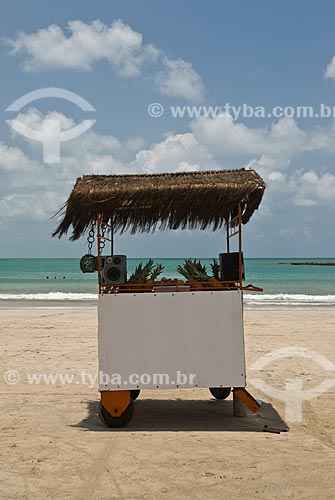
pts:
[276, 177]
[299, 187]
[85, 45]
[90, 152]
[28, 191]
[313, 189]
[292, 233]
[267, 164]
[330, 70]
[281, 139]
[36, 207]
[33, 190]
[275, 147]
[14, 160]
[82, 45]
[180, 152]
[179, 79]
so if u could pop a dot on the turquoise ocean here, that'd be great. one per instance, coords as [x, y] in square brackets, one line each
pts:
[60, 283]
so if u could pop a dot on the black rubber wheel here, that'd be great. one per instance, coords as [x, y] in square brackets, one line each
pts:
[107, 419]
[220, 392]
[134, 393]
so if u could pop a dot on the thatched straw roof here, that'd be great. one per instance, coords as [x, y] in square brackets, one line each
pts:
[177, 200]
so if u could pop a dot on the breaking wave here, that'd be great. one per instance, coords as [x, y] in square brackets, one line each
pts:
[251, 300]
[289, 300]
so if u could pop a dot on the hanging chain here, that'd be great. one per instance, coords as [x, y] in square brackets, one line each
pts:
[102, 237]
[91, 237]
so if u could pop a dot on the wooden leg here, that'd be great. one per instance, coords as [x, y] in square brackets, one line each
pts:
[239, 408]
[242, 398]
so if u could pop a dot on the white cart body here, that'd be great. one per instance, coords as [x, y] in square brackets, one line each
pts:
[146, 339]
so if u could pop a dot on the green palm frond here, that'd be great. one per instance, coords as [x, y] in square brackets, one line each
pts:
[146, 272]
[193, 270]
[215, 269]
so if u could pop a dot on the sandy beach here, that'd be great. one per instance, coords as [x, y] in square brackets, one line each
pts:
[181, 444]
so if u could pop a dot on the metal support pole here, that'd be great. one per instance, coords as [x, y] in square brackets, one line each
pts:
[240, 266]
[227, 236]
[98, 242]
[112, 237]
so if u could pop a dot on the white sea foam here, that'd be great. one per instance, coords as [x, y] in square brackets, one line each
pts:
[252, 300]
[59, 296]
[290, 300]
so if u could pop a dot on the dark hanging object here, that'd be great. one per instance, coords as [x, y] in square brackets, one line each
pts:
[89, 263]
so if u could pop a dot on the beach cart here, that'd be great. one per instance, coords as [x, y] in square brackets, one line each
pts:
[166, 333]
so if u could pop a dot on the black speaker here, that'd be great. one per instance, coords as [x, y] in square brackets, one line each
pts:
[114, 269]
[229, 266]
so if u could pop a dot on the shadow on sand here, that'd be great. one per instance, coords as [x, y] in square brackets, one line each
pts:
[187, 415]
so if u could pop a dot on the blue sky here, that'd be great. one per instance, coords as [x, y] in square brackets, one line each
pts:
[175, 53]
